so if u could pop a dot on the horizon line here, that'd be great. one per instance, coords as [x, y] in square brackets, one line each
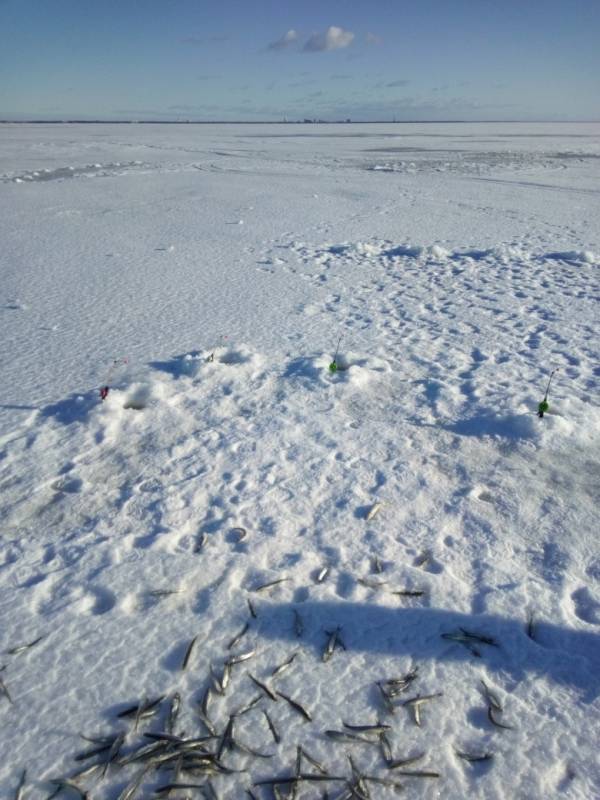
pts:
[75, 120]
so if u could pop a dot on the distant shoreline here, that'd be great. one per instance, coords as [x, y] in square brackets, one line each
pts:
[293, 122]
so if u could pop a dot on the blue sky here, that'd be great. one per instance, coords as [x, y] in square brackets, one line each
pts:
[329, 59]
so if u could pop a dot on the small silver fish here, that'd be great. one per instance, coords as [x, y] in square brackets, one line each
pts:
[322, 574]
[333, 641]
[296, 706]
[377, 728]
[200, 542]
[415, 704]
[490, 713]
[345, 736]
[113, 752]
[251, 609]
[530, 625]
[160, 593]
[266, 689]
[20, 787]
[376, 565]
[173, 711]
[386, 748]
[298, 624]
[249, 706]
[404, 762]
[21, 648]
[375, 509]
[269, 585]
[282, 667]
[408, 592]
[313, 761]
[188, 653]
[132, 787]
[389, 706]
[4, 691]
[474, 757]
[370, 583]
[238, 636]
[491, 698]
[237, 659]
[272, 728]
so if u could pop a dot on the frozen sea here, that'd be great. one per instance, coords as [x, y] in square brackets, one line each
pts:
[411, 500]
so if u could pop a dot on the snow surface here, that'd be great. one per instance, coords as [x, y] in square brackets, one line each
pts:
[205, 273]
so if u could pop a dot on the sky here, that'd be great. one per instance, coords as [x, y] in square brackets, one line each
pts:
[269, 60]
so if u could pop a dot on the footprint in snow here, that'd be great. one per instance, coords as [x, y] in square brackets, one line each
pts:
[586, 608]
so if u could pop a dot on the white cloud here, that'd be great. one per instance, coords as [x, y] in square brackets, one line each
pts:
[286, 40]
[334, 38]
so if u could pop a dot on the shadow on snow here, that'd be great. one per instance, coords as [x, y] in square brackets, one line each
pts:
[564, 655]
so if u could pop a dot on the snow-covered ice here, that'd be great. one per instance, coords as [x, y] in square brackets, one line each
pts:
[205, 273]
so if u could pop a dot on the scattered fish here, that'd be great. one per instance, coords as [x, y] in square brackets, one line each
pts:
[298, 624]
[266, 689]
[114, 751]
[172, 787]
[238, 659]
[269, 585]
[370, 583]
[312, 761]
[296, 706]
[375, 509]
[20, 787]
[272, 728]
[160, 593]
[396, 686]
[468, 639]
[491, 698]
[376, 565]
[84, 755]
[530, 621]
[188, 653]
[322, 574]
[62, 784]
[404, 762]
[389, 706]
[386, 748]
[333, 641]
[130, 790]
[173, 711]
[377, 728]
[294, 778]
[238, 636]
[249, 706]
[14, 651]
[346, 736]
[282, 667]
[490, 713]
[415, 704]
[251, 609]
[200, 542]
[419, 774]
[4, 691]
[474, 757]
[146, 708]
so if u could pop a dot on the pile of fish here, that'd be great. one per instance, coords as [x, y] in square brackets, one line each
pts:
[151, 749]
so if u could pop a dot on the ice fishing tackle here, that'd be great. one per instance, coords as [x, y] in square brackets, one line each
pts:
[105, 389]
[543, 406]
[333, 367]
